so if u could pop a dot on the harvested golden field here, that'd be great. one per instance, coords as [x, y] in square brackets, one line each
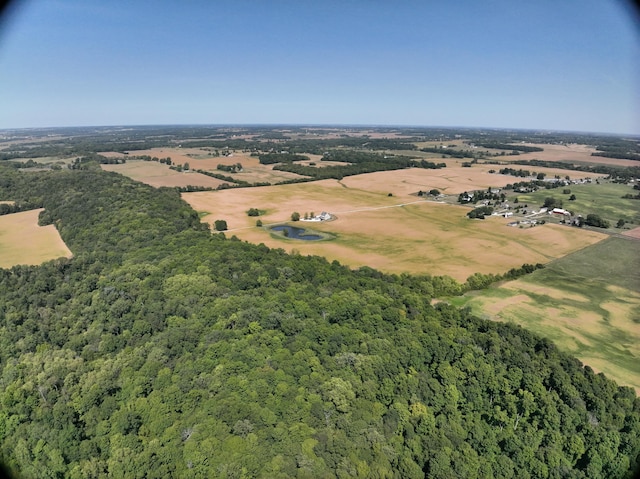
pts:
[401, 233]
[178, 156]
[22, 241]
[571, 153]
[156, 174]
[201, 159]
[252, 170]
[453, 180]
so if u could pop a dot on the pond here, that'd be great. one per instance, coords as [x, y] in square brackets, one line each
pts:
[292, 232]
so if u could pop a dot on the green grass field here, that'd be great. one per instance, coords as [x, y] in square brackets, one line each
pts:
[604, 200]
[587, 302]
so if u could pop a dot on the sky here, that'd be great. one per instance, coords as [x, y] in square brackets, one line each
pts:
[571, 65]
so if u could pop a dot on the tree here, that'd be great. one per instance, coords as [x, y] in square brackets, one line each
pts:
[551, 202]
[572, 198]
[220, 225]
[596, 220]
[253, 212]
[259, 223]
[540, 176]
[434, 192]
[620, 223]
[480, 212]
[295, 216]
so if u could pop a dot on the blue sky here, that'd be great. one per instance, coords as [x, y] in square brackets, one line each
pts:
[569, 65]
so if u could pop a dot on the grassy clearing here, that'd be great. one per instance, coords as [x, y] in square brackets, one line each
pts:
[22, 241]
[587, 302]
[604, 199]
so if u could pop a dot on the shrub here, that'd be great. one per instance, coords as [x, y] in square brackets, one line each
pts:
[220, 225]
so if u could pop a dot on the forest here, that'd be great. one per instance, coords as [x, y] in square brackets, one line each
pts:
[163, 350]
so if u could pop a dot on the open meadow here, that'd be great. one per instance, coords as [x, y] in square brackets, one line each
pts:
[398, 233]
[22, 241]
[588, 303]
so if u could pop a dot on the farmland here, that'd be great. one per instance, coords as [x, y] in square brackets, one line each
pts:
[22, 241]
[197, 159]
[587, 302]
[605, 199]
[571, 153]
[398, 233]
[156, 174]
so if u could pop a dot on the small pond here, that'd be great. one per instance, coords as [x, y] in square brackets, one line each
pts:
[293, 232]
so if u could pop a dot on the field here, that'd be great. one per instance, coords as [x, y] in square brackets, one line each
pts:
[587, 302]
[604, 200]
[398, 233]
[157, 174]
[201, 159]
[572, 153]
[22, 241]
[452, 180]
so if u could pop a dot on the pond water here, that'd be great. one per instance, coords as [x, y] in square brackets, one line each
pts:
[296, 233]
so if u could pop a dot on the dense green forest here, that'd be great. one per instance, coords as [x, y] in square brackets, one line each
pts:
[162, 350]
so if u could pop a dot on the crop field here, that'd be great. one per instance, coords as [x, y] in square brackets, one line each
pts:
[22, 241]
[398, 233]
[571, 153]
[157, 174]
[587, 302]
[604, 199]
[178, 155]
[453, 180]
[200, 159]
